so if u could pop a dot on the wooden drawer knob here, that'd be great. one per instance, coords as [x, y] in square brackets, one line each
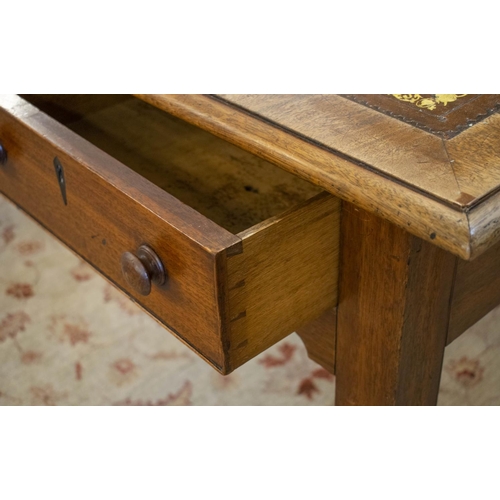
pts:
[141, 269]
[3, 154]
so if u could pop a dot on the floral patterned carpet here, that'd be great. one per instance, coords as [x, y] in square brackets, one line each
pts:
[67, 337]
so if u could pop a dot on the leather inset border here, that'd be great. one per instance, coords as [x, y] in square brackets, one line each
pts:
[445, 115]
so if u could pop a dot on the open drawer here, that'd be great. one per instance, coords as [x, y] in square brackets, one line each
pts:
[239, 253]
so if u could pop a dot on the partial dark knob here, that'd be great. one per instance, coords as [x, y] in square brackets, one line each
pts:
[142, 269]
[3, 154]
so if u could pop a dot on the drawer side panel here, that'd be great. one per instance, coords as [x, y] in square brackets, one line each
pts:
[285, 277]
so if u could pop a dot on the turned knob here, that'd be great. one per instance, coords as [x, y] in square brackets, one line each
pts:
[142, 268]
[3, 154]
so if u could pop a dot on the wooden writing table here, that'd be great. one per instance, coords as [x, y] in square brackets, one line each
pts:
[418, 177]
[419, 183]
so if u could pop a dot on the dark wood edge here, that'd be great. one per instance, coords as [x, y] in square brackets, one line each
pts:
[484, 224]
[420, 215]
[223, 303]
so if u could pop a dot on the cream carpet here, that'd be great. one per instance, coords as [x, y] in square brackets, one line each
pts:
[67, 337]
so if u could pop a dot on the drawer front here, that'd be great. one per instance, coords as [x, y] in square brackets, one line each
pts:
[108, 209]
[227, 296]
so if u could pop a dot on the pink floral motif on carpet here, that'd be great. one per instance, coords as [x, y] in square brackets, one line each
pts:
[67, 337]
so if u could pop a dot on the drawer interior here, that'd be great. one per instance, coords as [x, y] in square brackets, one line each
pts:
[230, 186]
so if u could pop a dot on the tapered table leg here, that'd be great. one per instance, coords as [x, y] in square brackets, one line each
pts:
[393, 313]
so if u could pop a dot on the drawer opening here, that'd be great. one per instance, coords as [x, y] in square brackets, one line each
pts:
[228, 185]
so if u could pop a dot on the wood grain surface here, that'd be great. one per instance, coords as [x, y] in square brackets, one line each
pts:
[228, 185]
[365, 135]
[393, 311]
[476, 291]
[428, 218]
[319, 337]
[459, 171]
[475, 157]
[285, 277]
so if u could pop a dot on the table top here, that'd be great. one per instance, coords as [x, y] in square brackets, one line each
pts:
[427, 162]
